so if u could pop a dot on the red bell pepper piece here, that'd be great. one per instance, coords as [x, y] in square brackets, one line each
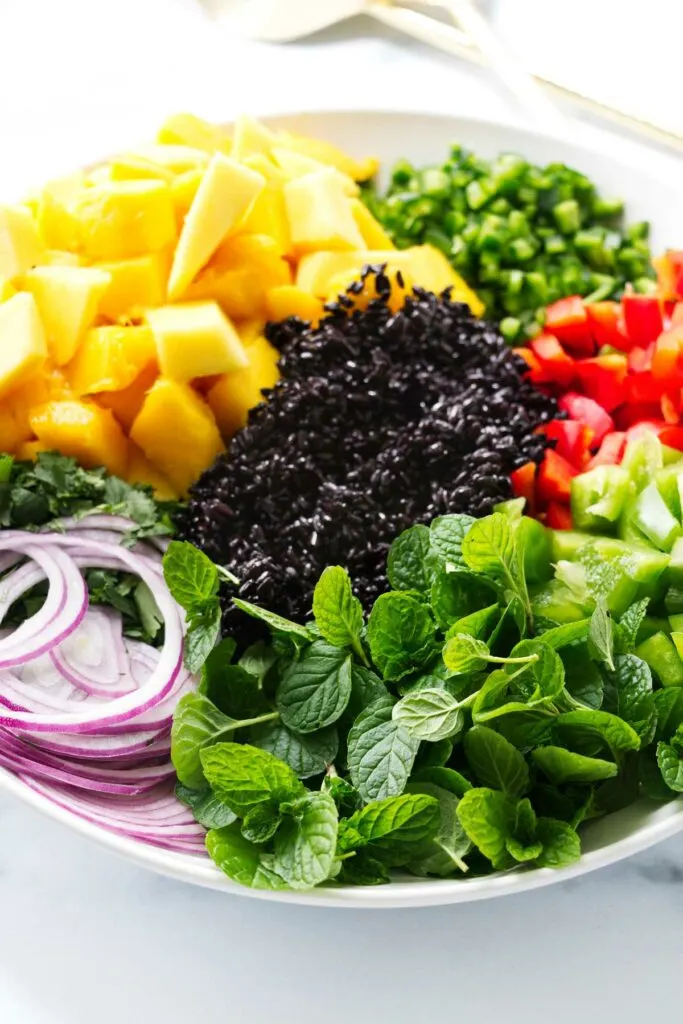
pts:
[529, 358]
[630, 416]
[606, 324]
[567, 320]
[602, 378]
[667, 359]
[643, 389]
[642, 317]
[556, 366]
[640, 359]
[523, 481]
[588, 412]
[677, 314]
[555, 477]
[573, 439]
[669, 268]
[611, 450]
[671, 436]
[558, 517]
[669, 408]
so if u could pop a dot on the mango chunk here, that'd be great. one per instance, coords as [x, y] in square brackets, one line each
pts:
[183, 191]
[131, 167]
[430, 269]
[234, 394]
[239, 275]
[7, 290]
[223, 197]
[59, 258]
[317, 269]
[14, 430]
[195, 339]
[110, 358]
[127, 403]
[120, 219]
[288, 300]
[250, 137]
[374, 235]
[85, 431]
[188, 130]
[296, 165]
[67, 300]
[319, 213]
[326, 153]
[23, 348]
[57, 224]
[177, 432]
[268, 216]
[141, 471]
[177, 159]
[20, 244]
[135, 285]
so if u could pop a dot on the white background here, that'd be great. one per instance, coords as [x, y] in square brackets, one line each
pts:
[88, 939]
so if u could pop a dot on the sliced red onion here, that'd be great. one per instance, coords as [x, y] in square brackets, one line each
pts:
[93, 658]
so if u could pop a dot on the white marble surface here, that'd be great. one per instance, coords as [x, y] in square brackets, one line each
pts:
[87, 938]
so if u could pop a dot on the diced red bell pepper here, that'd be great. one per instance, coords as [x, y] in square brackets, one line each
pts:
[573, 440]
[558, 517]
[669, 268]
[555, 475]
[630, 416]
[567, 320]
[523, 481]
[606, 324]
[640, 359]
[677, 314]
[556, 366]
[643, 389]
[587, 410]
[671, 436]
[642, 317]
[667, 359]
[602, 378]
[529, 358]
[669, 406]
[611, 450]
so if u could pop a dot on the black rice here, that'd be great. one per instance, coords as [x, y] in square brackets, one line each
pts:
[380, 420]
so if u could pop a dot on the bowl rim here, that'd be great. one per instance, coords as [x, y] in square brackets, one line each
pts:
[202, 871]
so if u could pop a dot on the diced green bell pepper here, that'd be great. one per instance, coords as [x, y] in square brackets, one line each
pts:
[675, 570]
[555, 601]
[650, 625]
[673, 600]
[669, 480]
[661, 655]
[565, 544]
[535, 541]
[642, 564]
[676, 623]
[642, 458]
[598, 497]
[651, 515]
[678, 643]
[513, 508]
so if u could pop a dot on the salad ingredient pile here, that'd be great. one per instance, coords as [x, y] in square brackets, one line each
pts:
[381, 419]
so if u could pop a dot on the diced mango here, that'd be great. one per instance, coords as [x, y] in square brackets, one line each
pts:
[120, 219]
[430, 269]
[20, 244]
[234, 394]
[374, 235]
[288, 300]
[110, 358]
[57, 223]
[223, 197]
[59, 258]
[136, 284]
[98, 175]
[317, 269]
[14, 429]
[183, 190]
[46, 386]
[188, 130]
[296, 165]
[195, 339]
[401, 286]
[131, 167]
[268, 216]
[319, 213]
[250, 330]
[250, 137]
[240, 274]
[7, 290]
[177, 159]
[67, 300]
[85, 431]
[23, 348]
[177, 432]
[141, 471]
[127, 403]
[326, 153]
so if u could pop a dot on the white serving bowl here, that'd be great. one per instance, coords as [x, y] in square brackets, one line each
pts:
[425, 138]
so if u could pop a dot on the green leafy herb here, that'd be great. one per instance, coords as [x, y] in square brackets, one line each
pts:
[208, 810]
[391, 825]
[488, 818]
[429, 714]
[306, 842]
[443, 854]
[400, 634]
[563, 766]
[381, 752]
[243, 777]
[446, 535]
[495, 761]
[601, 634]
[412, 562]
[261, 823]
[276, 622]
[315, 690]
[243, 861]
[194, 580]
[307, 755]
[337, 613]
[626, 631]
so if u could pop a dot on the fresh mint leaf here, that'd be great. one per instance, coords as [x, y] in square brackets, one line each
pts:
[380, 752]
[203, 632]
[543, 678]
[337, 613]
[364, 869]
[601, 634]
[197, 724]
[577, 727]
[276, 622]
[455, 594]
[671, 766]
[477, 624]
[307, 755]
[447, 534]
[243, 776]
[400, 634]
[495, 762]
[561, 844]
[491, 548]
[523, 845]
[445, 850]
[652, 784]
[628, 694]
[190, 575]
[207, 809]
[434, 755]
[445, 778]
[315, 690]
[566, 634]
[626, 631]
[510, 628]
[488, 818]
[430, 714]
[232, 689]
[669, 709]
[463, 654]
[562, 766]
[257, 660]
[393, 825]
[260, 824]
[583, 679]
[345, 796]
[366, 688]
[306, 842]
[241, 860]
[411, 563]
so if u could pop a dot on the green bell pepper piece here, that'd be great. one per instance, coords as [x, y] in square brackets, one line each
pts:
[565, 544]
[675, 570]
[661, 655]
[513, 508]
[598, 497]
[651, 515]
[650, 625]
[555, 601]
[676, 623]
[642, 458]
